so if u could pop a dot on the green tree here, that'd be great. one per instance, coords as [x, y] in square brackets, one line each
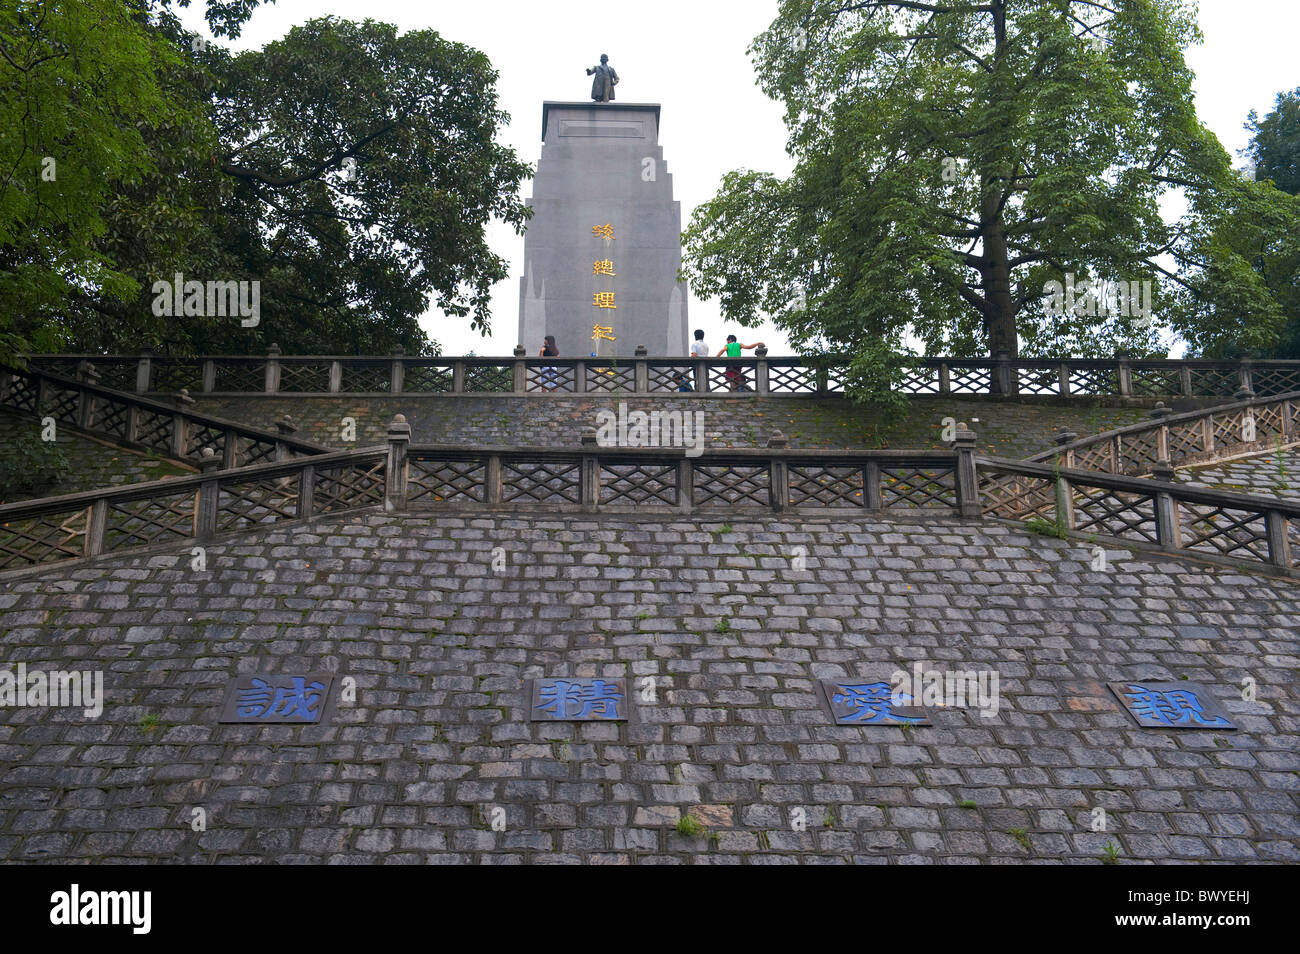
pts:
[952, 158]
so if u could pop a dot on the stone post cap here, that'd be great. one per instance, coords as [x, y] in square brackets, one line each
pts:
[1160, 410]
[589, 437]
[777, 440]
[1163, 470]
[398, 351]
[520, 351]
[641, 351]
[1244, 394]
[398, 429]
[964, 437]
[761, 351]
[1065, 437]
[184, 396]
[208, 460]
[273, 349]
[285, 425]
[86, 372]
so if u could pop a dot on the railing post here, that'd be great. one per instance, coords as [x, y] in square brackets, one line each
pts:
[760, 370]
[307, 490]
[96, 523]
[205, 513]
[1063, 379]
[1167, 532]
[685, 485]
[1288, 425]
[945, 378]
[458, 377]
[273, 369]
[284, 426]
[821, 379]
[589, 471]
[1063, 438]
[871, 486]
[968, 488]
[1279, 541]
[640, 370]
[520, 370]
[144, 371]
[492, 490]
[86, 374]
[208, 383]
[1002, 369]
[1246, 384]
[396, 467]
[336, 376]
[397, 374]
[1125, 373]
[701, 376]
[229, 448]
[178, 435]
[779, 472]
[1064, 503]
[1185, 380]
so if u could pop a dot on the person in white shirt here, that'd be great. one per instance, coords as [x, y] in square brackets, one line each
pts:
[699, 349]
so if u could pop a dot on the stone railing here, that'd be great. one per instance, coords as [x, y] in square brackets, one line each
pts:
[1230, 528]
[135, 422]
[521, 374]
[402, 477]
[1184, 440]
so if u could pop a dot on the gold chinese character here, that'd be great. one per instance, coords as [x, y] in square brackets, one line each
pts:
[602, 268]
[602, 333]
[605, 231]
[603, 299]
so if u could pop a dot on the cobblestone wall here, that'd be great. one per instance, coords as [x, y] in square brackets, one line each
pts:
[440, 645]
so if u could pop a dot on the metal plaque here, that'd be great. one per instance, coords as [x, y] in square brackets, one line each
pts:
[1171, 705]
[565, 699]
[265, 698]
[863, 702]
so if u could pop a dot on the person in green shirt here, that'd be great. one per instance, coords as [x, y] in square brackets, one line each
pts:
[735, 373]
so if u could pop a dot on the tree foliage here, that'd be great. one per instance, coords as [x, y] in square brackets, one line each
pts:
[953, 158]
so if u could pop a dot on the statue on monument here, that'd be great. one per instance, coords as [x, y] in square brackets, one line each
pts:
[602, 87]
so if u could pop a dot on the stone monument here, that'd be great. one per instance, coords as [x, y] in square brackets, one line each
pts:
[603, 247]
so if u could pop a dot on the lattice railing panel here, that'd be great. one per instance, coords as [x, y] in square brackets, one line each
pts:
[916, 380]
[111, 417]
[242, 376]
[160, 519]
[666, 377]
[366, 378]
[253, 451]
[744, 485]
[304, 377]
[171, 375]
[781, 379]
[349, 487]
[1230, 429]
[1117, 513]
[1139, 451]
[642, 484]
[918, 487]
[28, 541]
[199, 436]
[438, 481]
[556, 481]
[1018, 497]
[119, 375]
[551, 377]
[154, 429]
[22, 393]
[610, 377]
[970, 380]
[1096, 456]
[1155, 381]
[428, 379]
[1039, 380]
[489, 378]
[1268, 382]
[1224, 530]
[1215, 381]
[60, 403]
[1186, 439]
[819, 486]
[1093, 381]
[836, 375]
[265, 500]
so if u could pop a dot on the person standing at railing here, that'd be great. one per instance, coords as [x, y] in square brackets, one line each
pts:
[699, 349]
[735, 373]
[549, 350]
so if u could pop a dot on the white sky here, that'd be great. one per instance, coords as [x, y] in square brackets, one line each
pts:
[690, 56]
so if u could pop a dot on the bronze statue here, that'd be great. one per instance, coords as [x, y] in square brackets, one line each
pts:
[602, 87]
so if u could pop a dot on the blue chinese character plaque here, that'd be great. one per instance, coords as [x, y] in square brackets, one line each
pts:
[1171, 705]
[868, 702]
[265, 698]
[565, 699]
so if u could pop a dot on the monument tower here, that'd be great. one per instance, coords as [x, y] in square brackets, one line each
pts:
[603, 247]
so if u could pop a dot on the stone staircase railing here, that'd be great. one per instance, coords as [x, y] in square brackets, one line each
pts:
[521, 374]
[1183, 440]
[1230, 528]
[401, 477]
[132, 421]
